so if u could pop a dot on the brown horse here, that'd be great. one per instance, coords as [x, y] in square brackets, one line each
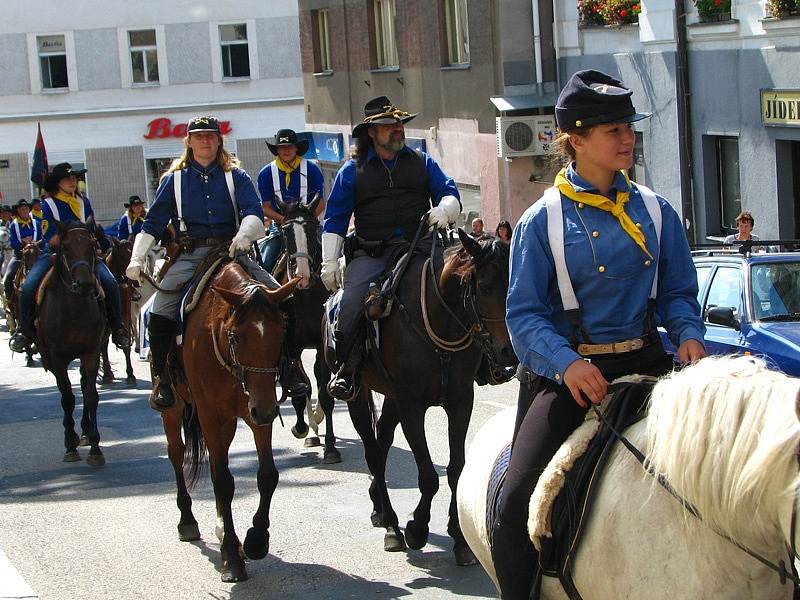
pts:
[229, 359]
[30, 252]
[71, 325]
[117, 261]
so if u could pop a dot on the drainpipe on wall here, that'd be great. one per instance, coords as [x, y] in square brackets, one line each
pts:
[349, 74]
[683, 92]
[537, 44]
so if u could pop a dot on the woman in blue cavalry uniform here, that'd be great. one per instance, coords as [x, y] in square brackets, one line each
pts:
[596, 264]
[130, 223]
[290, 177]
[36, 208]
[65, 204]
[210, 201]
[387, 187]
[23, 229]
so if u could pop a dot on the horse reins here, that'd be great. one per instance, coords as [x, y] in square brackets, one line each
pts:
[71, 285]
[293, 256]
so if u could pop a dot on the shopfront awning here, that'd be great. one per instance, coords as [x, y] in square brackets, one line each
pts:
[524, 101]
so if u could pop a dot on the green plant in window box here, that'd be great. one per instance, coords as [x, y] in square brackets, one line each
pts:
[591, 12]
[713, 10]
[621, 12]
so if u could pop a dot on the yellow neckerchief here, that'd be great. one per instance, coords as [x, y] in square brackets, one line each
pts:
[287, 168]
[26, 223]
[133, 218]
[599, 201]
[37, 213]
[74, 202]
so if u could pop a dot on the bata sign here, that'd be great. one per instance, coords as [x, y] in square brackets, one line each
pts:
[163, 128]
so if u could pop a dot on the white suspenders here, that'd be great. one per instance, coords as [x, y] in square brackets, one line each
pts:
[57, 216]
[176, 187]
[276, 182]
[555, 235]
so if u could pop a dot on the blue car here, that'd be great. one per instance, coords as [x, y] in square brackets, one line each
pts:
[751, 305]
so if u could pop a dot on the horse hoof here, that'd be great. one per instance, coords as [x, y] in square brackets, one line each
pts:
[298, 434]
[96, 460]
[188, 532]
[107, 379]
[332, 457]
[312, 442]
[393, 542]
[376, 518]
[30, 363]
[464, 556]
[416, 535]
[256, 544]
[234, 573]
[71, 456]
[84, 440]
[130, 380]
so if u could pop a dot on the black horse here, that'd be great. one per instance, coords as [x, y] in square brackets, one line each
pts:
[117, 261]
[446, 330]
[71, 325]
[304, 259]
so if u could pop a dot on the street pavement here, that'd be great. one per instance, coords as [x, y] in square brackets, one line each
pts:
[75, 531]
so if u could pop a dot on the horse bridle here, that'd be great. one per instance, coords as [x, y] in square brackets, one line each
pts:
[292, 257]
[71, 285]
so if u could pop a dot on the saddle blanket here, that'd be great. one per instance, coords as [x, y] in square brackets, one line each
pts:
[332, 307]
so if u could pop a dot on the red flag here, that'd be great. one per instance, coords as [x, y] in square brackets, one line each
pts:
[39, 168]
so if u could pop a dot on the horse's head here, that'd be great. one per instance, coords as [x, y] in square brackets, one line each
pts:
[30, 252]
[119, 257]
[251, 336]
[483, 270]
[300, 232]
[76, 255]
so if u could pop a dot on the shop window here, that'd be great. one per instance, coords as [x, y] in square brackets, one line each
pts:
[730, 199]
[53, 61]
[322, 40]
[235, 52]
[144, 56]
[385, 43]
[456, 32]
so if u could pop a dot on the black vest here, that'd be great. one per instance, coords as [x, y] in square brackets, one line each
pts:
[381, 209]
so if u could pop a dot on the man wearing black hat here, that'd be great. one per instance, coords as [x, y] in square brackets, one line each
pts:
[210, 201]
[131, 221]
[6, 214]
[23, 229]
[388, 188]
[65, 204]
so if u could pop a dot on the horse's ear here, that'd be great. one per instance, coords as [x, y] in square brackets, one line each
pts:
[115, 241]
[281, 204]
[231, 297]
[284, 291]
[62, 229]
[312, 206]
[90, 223]
[470, 245]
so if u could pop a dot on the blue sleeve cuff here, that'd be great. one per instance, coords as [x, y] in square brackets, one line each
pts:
[690, 333]
[551, 368]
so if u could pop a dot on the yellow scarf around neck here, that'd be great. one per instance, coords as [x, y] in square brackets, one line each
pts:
[599, 201]
[37, 213]
[75, 203]
[24, 223]
[288, 168]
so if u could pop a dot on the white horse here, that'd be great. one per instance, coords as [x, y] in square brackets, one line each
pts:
[725, 434]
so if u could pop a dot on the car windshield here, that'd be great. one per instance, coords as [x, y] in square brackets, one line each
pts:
[776, 291]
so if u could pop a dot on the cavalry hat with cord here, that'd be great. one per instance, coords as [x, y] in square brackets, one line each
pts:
[133, 201]
[381, 111]
[22, 202]
[199, 124]
[287, 137]
[592, 98]
[59, 172]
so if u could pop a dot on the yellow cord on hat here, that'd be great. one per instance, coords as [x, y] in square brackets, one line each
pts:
[388, 111]
[599, 201]
[288, 168]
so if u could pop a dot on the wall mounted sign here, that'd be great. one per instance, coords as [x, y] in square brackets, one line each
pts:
[163, 128]
[780, 107]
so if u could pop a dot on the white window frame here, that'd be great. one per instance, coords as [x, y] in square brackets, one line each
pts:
[126, 70]
[324, 40]
[456, 32]
[216, 50]
[40, 55]
[144, 50]
[222, 44]
[385, 38]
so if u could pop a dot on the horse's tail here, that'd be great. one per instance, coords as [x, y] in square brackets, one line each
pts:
[195, 456]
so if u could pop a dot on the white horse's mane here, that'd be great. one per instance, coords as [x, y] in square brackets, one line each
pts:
[725, 434]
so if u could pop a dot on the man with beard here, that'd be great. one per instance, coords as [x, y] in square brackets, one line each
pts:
[387, 188]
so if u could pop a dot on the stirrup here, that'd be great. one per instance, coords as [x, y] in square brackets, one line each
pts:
[339, 391]
[161, 399]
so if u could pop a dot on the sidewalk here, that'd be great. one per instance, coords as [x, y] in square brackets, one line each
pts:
[12, 585]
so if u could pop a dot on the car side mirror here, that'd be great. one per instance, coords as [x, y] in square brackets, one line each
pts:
[723, 315]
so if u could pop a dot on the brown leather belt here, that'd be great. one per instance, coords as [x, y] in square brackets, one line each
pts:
[618, 347]
[190, 243]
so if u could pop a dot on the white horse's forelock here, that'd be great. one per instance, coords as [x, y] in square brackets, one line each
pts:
[725, 433]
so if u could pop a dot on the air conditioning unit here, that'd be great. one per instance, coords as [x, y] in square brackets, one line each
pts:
[525, 136]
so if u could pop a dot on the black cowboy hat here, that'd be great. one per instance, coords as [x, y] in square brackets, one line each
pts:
[59, 172]
[287, 137]
[381, 111]
[593, 98]
[22, 202]
[199, 124]
[133, 200]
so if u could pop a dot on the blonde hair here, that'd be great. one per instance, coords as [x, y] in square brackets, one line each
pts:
[226, 160]
[562, 152]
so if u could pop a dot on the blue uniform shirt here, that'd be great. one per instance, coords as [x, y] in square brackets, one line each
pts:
[20, 229]
[613, 303]
[125, 230]
[341, 201]
[315, 184]
[65, 214]
[205, 203]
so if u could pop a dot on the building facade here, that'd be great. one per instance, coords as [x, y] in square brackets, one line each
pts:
[113, 86]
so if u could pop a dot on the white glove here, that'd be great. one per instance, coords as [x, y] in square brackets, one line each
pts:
[144, 241]
[331, 274]
[444, 213]
[250, 229]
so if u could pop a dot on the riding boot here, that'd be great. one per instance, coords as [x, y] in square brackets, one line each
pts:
[342, 386]
[293, 379]
[162, 336]
[514, 559]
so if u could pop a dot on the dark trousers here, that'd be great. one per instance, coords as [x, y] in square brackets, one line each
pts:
[546, 415]
[11, 272]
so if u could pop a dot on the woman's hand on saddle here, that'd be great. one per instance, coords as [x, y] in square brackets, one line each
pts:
[691, 351]
[585, 381]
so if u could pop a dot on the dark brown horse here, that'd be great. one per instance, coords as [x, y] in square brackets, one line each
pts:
[229, 358]
[30, 252]
[117, 261]
[304, 259]
[71, 324]
[445, 331]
